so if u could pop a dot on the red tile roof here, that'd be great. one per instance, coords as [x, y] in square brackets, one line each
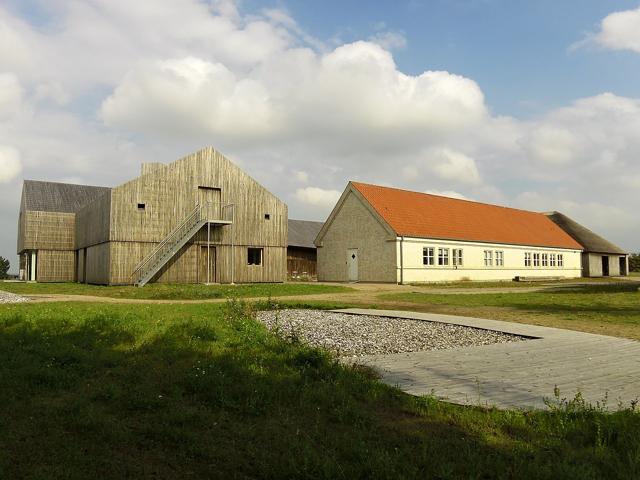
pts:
[423, 215]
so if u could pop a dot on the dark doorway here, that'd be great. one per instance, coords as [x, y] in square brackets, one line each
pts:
[605, 266]
[623, 266]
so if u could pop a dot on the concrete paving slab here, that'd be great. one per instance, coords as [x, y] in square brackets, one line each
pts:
[516, 374]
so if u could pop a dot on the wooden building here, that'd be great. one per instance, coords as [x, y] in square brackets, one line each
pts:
[600, 257]
[200, 219]
[301, 251]
[46, 228]
[380, 234]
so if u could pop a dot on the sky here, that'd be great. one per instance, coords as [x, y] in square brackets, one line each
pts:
[529, 104]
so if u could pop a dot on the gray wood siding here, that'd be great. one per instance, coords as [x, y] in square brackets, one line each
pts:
[93, 222]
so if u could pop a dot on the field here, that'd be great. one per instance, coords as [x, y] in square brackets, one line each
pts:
[164, 291]
[608, 309]
[204, 391]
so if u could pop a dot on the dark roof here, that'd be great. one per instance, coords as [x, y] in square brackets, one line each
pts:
[302, 233]
[58, 197]
[590, 241]
[423, 215]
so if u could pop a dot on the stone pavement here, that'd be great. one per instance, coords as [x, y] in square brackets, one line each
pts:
[517, 374]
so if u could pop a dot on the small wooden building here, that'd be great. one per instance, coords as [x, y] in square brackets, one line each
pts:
[200, 219]
[600, 257]
[301, 252]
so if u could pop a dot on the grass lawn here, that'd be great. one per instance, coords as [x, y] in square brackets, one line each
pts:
[203, 391]
[600, 308]
[164, 291]
[512, 284]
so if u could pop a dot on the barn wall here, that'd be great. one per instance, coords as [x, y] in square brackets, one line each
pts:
[170, 193]
[592, 264]
[47, 231]
[97, 268]
[473, 267]
[93, 222]
[55, 265]
[301, 262]
[355, 227]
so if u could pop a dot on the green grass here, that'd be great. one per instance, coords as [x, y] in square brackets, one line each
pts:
[203, 391]
[612, 309]
[164, 291]
[513, 284]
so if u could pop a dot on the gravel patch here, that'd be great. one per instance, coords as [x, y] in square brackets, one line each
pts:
[6, 297]
[357, 335]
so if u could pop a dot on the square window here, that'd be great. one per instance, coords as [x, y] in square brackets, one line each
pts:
[267, 216]
[428, 256]
[254, 256]
[141, 206]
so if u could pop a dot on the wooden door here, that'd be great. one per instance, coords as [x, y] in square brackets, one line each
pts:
[352, 264]
[210, 198]
[207, 272]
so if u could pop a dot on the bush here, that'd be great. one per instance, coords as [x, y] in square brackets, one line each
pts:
[4, 268]
[634, 262]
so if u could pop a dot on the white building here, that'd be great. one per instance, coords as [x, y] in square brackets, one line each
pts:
[380, 234]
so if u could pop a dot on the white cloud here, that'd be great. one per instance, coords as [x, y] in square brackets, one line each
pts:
[453, 166]
[389, 40]
[447, 193]
[161, 79]
[620, 31]
[10, 164]
[317, 197]
[11, 93]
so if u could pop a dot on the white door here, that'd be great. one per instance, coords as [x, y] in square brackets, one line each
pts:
[352, 264]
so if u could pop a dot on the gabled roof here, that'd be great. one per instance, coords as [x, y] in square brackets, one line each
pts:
[590, 241]
[302, 233]
[424, 215]
[58, 197]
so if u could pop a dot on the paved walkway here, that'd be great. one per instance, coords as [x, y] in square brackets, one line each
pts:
[518, 374]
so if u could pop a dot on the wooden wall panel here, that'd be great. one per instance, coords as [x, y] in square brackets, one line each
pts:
[47, 231]
[97, 266]
[55, 266]
[93, 222]
[170, 193]
[301, 262]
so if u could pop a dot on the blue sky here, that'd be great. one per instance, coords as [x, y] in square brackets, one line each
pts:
[517, 50]
[531, 104]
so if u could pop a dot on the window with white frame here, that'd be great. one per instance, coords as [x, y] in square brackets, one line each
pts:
[488, 258]
[545, 260]
[499, 258]
[428, 256]
[560, 260]
[456, 256]
[443, 256]
[536, 259]
[552, 259]
[527, 259]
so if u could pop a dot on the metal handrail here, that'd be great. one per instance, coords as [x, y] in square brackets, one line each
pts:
[195, 213]
[166, 245]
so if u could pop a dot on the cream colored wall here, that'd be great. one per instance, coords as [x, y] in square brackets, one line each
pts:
[355, 227]
[473, 262]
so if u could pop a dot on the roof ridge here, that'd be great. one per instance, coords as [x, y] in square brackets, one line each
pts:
[448, 198]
